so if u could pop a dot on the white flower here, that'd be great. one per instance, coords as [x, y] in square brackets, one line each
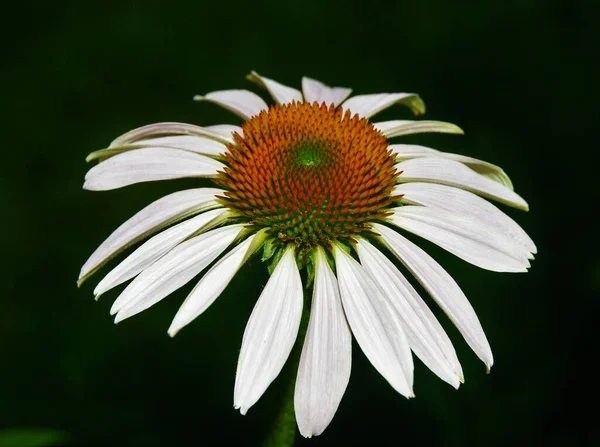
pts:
[313, 184]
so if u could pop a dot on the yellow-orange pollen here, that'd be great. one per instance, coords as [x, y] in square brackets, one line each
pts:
[309, 173]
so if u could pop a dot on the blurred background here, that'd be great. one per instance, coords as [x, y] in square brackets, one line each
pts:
[516, 75]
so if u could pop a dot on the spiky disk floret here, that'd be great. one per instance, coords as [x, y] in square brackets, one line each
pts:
[309, 173]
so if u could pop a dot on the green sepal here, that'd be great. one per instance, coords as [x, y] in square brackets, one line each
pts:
[310, 271]
[269, 248]
[276, 257]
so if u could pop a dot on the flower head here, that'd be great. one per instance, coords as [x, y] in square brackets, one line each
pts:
[312, 183]
[310, 174]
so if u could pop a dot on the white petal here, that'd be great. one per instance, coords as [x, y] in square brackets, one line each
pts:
[282, 94]
[191, 143]
[368, 105]
[398, 128]
[270, 333]
[166, 129]
[464, 202]
[408, 151]
[442, 288]
[243, 103]
[375, 324]
[469, 239]
[213, 283]
[425, 335]
[453, 173]
[324, 369]
[155, 248]
[227, 130]
[146, 165]
[173, 271]
[319, 92]
[154, 217]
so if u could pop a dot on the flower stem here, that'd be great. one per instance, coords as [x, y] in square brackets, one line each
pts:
[283, 433]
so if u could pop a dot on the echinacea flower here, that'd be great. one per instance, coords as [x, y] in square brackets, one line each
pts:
[312, 183]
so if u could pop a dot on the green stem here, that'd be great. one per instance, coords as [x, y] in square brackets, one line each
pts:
[283, 433]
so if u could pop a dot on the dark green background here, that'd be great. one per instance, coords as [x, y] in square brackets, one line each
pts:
[516, 75]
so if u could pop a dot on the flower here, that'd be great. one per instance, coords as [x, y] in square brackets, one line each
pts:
[312, 184]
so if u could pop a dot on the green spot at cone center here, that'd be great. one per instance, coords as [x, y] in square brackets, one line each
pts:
[309, 156]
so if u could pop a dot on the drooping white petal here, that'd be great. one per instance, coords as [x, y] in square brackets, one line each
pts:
[270, 333]
[425, 335]
[442, 288]
[146, 165]
[165, 129]
[398, 128]
[317, 91]
[191, 143]
[155, 248]
[453, 173]
[213, 283]
[375, 324]
[173, 271]
[324, 369]
[243, 103]
[408, 151]
[210, 140]
[368, 105]
[464, 202]
[154, 217]
[469, 239]
[227, 130]
[282, 94]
